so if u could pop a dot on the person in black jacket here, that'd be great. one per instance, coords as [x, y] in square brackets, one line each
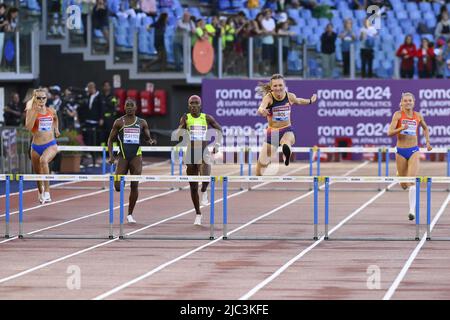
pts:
[328, 49]
[91, 117]
[160, 29]
[109, 102]
[13, 111]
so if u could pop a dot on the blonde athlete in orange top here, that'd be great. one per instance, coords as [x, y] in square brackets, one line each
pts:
[405, 124]
[42, 121]
[276, 106]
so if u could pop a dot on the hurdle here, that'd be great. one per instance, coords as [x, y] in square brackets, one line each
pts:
[287, 179]
[7, 178]
[430, 181]
[36, 177]
[416, 180]
[139, 178]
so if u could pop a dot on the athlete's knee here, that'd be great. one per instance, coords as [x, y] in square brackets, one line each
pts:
[194, 186]
[262, 165]
[117, 186]
[43, 161]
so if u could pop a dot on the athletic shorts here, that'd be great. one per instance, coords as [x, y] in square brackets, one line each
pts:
[407, 152]
[273, 136]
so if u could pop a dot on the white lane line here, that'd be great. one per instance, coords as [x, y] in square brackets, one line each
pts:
[25, 272]
[59, 201]
[187, 254]
[414, 254]
[156, 164]
[305, 251]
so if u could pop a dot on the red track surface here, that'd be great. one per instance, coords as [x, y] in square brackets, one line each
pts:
[229, 269]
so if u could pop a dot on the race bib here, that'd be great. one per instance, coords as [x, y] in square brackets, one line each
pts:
[45, 124]
[131, 135]
[412, 127]
[198, 133]
[282, 113]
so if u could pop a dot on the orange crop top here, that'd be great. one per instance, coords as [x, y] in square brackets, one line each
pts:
[43, 122]
[413, 124]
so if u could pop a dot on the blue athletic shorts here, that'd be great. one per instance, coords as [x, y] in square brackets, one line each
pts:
[407, 152]
[40, 148]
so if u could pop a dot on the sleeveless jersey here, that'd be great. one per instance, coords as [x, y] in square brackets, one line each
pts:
[130, 139]
[43, 122]
[197, 127]
[413, 124]
[280, 110]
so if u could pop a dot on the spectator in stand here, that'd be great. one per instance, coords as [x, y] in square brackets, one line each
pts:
[407, 52]
[3, 21]
[328, 49]
[445, 58]
[228, 42]
[185, 26]
[425, 54]
[348, 37]
[11, 20]
[12, 113]
[443, 27]
[160, 29]
[441, 11]
[200, 32]
[283, 31]
[367, 37]
[268, 41]
[54, 8]
[439, 62]
[100, 19]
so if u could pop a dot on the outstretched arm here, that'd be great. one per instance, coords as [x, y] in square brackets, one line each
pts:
[294, 100]
[426, 132]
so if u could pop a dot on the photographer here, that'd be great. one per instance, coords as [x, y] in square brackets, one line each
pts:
[69, 110]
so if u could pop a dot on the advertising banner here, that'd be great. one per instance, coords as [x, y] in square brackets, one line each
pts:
[357, 109]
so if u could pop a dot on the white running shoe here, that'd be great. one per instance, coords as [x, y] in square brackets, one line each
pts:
[198, 220]
[130, 219]
[411, 216]
[46, 197]
[205, 201]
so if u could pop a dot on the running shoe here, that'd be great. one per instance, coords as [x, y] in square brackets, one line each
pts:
[46, 197]
[130, 219]
[198, 220]
[205, 201]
